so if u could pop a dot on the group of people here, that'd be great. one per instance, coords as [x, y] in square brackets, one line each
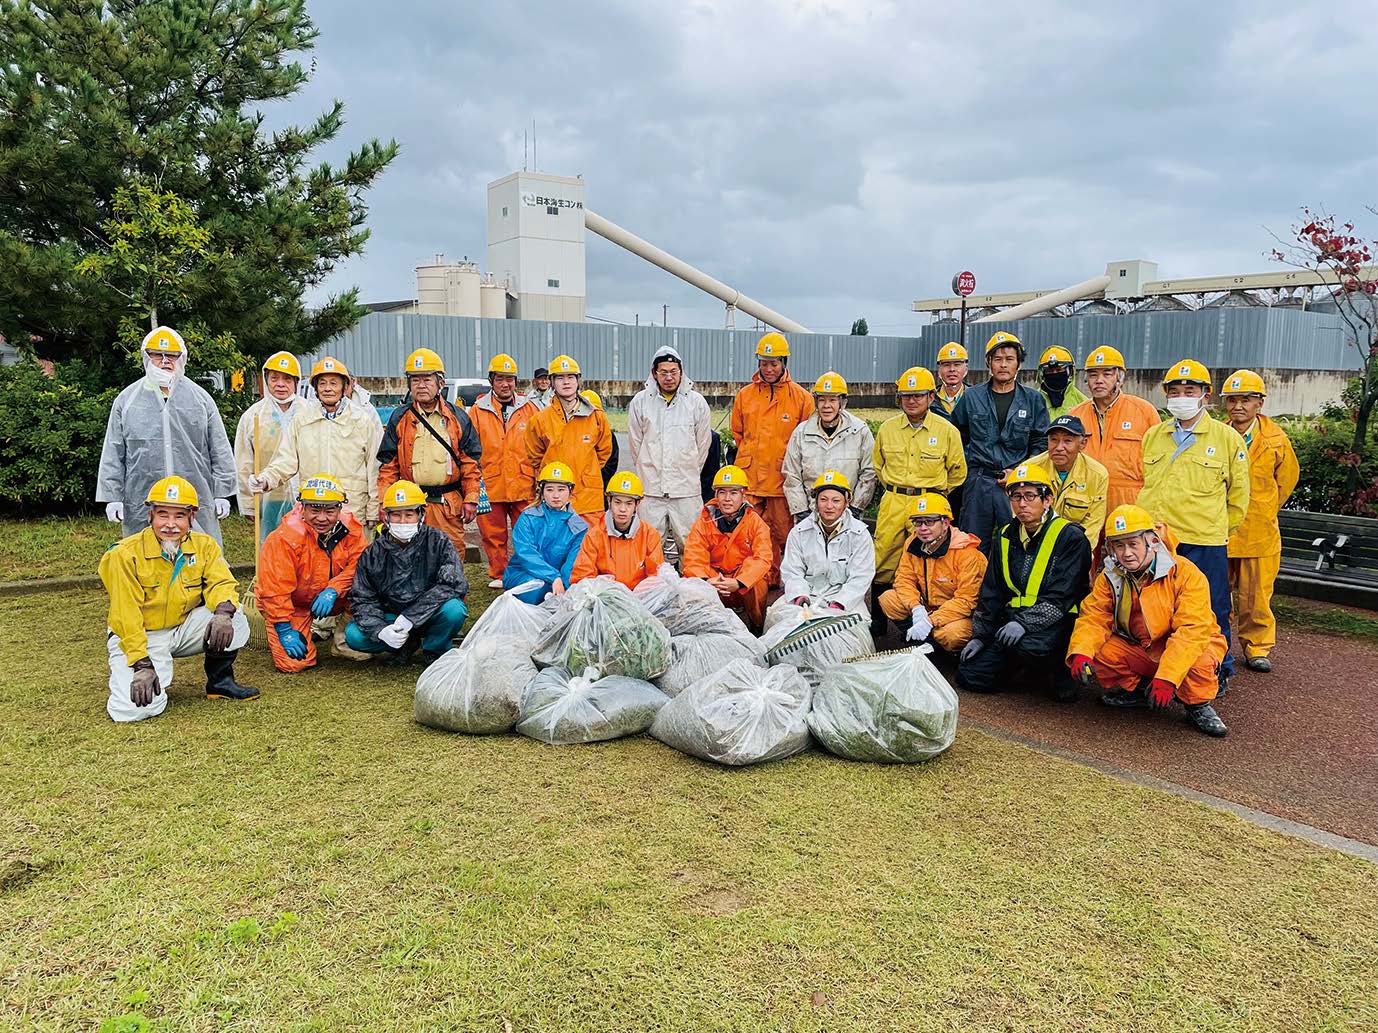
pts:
[1078, 541]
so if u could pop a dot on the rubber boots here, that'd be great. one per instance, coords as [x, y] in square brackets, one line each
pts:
[220, 683]
[1204, 717]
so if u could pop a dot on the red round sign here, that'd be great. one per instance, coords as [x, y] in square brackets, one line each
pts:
[964, 283]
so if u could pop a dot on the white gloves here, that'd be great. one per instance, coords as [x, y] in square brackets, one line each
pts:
[922, 626]
[222, 508]
[395, 634]
[258, 484]
[114, 512]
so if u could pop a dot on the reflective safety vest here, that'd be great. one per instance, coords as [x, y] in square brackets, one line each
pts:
[1018, 600]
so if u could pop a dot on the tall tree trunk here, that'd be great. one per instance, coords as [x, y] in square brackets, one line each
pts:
[1368, 396]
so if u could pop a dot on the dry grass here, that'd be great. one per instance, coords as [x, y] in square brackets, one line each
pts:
[72, 546]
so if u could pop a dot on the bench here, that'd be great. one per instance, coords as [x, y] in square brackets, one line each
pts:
[1329, 557]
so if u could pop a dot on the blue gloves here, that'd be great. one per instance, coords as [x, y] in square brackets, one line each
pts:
[1010, 634]
[324, 603]
[292, 642]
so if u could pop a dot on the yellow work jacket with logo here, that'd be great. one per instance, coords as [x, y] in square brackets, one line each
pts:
[947, 403]
[149, 592]
[1273, 474]
[1079, 498]
[1202, 493]
[927, 456]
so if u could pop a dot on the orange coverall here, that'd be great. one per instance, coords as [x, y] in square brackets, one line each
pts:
[630, 558]
[293, 569]
[947, 584]
[582, 441]
[1115, 440]
[445, 513]
[763, 418]
[507, 474]
[743, 553]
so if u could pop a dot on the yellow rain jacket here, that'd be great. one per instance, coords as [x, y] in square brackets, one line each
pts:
[928, 457]
[345, 448]
[1273, 474]
[1203, 493]
[1079, 498]
[149, 592]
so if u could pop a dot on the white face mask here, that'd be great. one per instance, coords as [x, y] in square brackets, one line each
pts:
[404, 532]
[1185, 409]
[161, 377]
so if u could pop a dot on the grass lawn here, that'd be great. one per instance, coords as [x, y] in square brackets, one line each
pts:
[71, 546]
[315, 860]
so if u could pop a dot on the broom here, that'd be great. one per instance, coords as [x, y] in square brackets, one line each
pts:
[248, 602]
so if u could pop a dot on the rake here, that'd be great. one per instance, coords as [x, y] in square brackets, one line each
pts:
[248, 602]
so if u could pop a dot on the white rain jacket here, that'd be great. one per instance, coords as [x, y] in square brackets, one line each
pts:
[837, 571]
[345, 448]
[261, 429]
[668, 441]
[810, 453]
[150, 436]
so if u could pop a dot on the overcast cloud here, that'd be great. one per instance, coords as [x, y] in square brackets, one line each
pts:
[840, 159]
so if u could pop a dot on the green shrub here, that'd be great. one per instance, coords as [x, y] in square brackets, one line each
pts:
[1323, 448]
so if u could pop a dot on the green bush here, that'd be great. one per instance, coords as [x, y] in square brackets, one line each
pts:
[51, 432]
[1323, 448]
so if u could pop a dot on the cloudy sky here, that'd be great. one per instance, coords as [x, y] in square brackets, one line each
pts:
[837, 159]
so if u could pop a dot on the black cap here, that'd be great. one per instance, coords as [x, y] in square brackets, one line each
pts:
[1071, 424]
[541, 371]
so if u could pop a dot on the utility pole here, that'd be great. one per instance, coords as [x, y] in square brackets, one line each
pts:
[664, 315]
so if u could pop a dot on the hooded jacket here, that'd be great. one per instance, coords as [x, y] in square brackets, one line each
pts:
[507, 473]
[630, 557]
[410, 579]
[668, 442]
[1273, 474]
[293, 568]
[345, 448]
[837, 570]
[763, 418]
[850, 451]
[396, 447]
[582, 440]
[743, 553]
[946, 582]
[256, 438]
[545, 544]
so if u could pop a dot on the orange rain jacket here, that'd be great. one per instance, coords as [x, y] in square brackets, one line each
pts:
[399, 438]
[631, 558]
[744, 553]
[763, 418]
[946, 584]
[1116, 442]
[1273, 474]
[293, 568]
[507, 472]
[1176, 607]
[583, 441]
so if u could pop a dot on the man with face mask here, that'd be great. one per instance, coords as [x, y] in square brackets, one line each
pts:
[547, 538]
[729, 547]
[622, 545]
[1056, 370]
[1115, 425]
[171, 596]
[1196, 481]
[1146, 632]
[306, 570]
[409, 584]
[258, 435]
[501, 417]
[829, 560]
[165, 423]
[830, 439]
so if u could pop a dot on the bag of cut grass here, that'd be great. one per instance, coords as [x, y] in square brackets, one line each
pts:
[605, 627]
[694, 657]
[890, 707]
[813, 643]
[687, 605]
[476, 688]
[562, 711]
[509, 617]
[738, 715]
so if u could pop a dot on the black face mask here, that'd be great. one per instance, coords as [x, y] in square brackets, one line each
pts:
[1056, 383]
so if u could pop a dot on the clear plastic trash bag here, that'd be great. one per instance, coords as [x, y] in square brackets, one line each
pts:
[687, 605]
[891, 707]
[739, 715]
[562, 710]
[476, 688]
[694, 657]
[813, 640]
[606, 627]
[509, 617]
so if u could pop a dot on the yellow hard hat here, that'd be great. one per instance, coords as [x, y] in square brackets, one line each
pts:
[627, 483]
[1105, 357]
[1028, 473]
[730, 477]
[1188, 371]
[1003, 339]
[772, 346]
[404, 495]
[915, 380]
[1243, 382]
[931, 504]
[502, 363]
[329, 365]
[592, 397]
[952, 352]
[164, 339]
[830, 384]
[556, 473]
[564, 364]
[833, 479]
[423, 360]
[321, 491]
[172, 491]
[1127, 520]
[283, 362]
[1056, 354]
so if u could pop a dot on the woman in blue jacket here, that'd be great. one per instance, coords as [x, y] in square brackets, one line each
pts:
[546, 537]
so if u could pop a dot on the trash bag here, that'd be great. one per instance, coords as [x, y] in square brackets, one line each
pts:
[606, 627]
[687, 605]
[561, 710]
[782, 610]
[509, 617]
[891, 707]
[693, 657]
[814, 643]
[476, 688]
[738, 715]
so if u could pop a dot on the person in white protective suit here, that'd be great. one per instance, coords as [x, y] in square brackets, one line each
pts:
[830, 439]
[163, 424]
[669, 431]
[260, 431]
[830, 558]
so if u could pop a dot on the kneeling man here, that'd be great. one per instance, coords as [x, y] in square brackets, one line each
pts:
[939, 577]
[830, 559]
[621, 544]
